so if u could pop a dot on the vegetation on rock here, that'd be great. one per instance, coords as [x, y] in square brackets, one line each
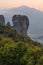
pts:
[16, 49]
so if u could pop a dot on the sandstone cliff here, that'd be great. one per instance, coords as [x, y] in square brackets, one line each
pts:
[2, 20]
[20, 23]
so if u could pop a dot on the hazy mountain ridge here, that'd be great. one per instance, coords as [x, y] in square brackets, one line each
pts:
[35, 17]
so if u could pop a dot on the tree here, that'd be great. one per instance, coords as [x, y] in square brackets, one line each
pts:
[8, 24]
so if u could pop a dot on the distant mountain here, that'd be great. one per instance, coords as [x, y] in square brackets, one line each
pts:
[40, 37]
[35, 17]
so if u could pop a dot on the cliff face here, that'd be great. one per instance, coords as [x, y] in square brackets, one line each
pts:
[2, 20]
[20, 23]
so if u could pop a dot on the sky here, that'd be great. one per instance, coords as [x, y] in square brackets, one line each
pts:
[38, 4]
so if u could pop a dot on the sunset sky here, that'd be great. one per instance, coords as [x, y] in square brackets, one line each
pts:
[38, 4]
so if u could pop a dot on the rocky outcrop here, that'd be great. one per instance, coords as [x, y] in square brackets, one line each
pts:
[20, 23]
[2, 20]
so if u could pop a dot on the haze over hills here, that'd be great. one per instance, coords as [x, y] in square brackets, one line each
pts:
[35, 18]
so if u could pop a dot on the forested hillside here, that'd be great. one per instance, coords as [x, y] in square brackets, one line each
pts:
[17, 49]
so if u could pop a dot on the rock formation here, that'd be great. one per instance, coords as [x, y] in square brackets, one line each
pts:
[2, 20]
[20, 23]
